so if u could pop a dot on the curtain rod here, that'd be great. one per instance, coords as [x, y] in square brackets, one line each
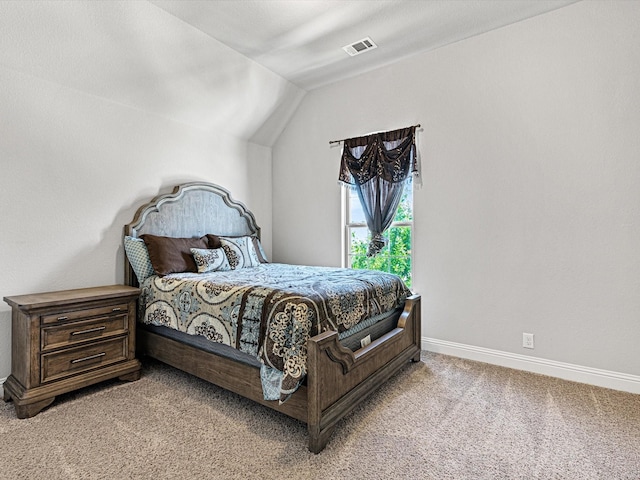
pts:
[339, 141]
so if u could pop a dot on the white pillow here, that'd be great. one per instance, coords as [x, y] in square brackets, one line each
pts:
[240, 251]
[259, 250]
[210, 260]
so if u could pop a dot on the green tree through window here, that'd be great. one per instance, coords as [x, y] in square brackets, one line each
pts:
[396, 255]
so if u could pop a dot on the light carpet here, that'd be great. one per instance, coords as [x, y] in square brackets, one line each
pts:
[442, 418]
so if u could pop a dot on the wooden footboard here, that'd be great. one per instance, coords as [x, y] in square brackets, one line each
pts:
[337, 378]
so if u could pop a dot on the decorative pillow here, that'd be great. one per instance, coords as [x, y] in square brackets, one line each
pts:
[173, 255]
[210, 260]
[138, 256]
[262, 257]
[214, 242]
[240, 252]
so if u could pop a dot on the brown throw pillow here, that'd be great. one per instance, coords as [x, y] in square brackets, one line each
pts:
[173, 255]
[214, 241]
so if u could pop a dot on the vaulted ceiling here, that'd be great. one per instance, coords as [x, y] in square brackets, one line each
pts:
[235, 66]
[302, 40]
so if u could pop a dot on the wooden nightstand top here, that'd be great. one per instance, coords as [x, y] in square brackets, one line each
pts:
[64, 297]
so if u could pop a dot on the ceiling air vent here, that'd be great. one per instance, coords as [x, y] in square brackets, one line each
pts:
[360, 46]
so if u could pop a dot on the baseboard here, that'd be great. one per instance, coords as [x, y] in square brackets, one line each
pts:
[567, 371]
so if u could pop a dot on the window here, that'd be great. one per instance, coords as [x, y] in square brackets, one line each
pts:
[396, 255]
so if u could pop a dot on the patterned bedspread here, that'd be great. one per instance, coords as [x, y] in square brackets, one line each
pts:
[271, 310]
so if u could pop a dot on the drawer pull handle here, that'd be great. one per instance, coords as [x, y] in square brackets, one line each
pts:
[63, 318]
[90, 357]
[116, 309]
[89, 330]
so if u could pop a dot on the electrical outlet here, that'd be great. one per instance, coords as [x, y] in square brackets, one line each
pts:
[527, 340]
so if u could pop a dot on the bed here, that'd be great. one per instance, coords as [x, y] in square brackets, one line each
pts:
[338, 374]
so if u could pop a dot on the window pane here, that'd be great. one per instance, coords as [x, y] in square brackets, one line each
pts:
[356, 215]
[395, 257]
[405, 209]
[399, 240]
[400, 252]
[358, 242]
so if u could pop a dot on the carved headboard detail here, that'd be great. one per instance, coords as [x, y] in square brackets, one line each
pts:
[190, 210]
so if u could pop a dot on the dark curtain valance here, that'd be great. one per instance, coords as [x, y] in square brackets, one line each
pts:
[378, 166]
[390, 156]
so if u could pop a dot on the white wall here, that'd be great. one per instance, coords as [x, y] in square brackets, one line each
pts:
[102, 106]
[528, 220]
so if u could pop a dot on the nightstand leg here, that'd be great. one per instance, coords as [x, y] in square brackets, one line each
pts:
[130, 377]
[32, 409]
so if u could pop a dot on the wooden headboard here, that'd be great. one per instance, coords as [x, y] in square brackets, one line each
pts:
[190, 210]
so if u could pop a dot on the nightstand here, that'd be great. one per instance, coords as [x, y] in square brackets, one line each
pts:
[62, 341]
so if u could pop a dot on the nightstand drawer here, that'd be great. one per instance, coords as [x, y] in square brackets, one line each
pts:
[67, 315]
[75, 360]
[67, 334]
